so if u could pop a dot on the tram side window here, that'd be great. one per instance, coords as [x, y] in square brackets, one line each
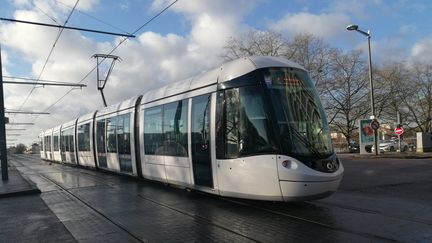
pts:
[175, 128]
[48, 143]
[100, 133]
[246, 129]
[165, 129]
[84, 137]
[56, 141]
[153, 135]
[71, 140]
[232, 123]
[123, 134]
[63, 146]
[67, 142]
[111, 135]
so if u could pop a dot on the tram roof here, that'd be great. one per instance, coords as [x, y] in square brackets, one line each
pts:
[69, 124]
[126, 104]
[86, 117]
[225, 72]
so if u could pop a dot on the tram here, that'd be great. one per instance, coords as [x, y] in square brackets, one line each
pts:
[252, 128]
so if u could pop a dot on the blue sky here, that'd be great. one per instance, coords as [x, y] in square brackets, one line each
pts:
[184, 41]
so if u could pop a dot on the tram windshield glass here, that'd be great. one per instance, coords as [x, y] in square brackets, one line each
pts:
[302, 127]
[277, 111]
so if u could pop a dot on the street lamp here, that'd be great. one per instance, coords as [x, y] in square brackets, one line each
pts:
[367, 34]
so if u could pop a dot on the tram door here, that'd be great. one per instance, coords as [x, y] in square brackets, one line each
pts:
[100, 141]
[200, 129]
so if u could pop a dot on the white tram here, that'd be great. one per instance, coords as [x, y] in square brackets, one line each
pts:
[253, 128]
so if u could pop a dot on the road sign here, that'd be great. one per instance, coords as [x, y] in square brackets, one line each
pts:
[399, 130]
[375, 124]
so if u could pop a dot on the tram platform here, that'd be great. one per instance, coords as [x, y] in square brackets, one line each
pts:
[24, 216]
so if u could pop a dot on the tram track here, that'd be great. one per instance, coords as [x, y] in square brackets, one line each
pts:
[124, 228]
[363, 234]
[118, 225]
[183, 212]
[66, 191]
[202, 219]
[196, 217]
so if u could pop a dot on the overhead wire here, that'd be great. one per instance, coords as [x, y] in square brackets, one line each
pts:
[46, 14]
[48, 57]
[94, 18]
[115, 48]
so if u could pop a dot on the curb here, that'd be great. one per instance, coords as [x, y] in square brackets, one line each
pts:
[32, 190]
[388, 156]
[20, 193]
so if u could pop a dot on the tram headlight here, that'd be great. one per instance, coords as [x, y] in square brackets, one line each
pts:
[289, 164]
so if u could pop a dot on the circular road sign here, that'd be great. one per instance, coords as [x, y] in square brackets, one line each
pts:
[399, 130]
[375, 125]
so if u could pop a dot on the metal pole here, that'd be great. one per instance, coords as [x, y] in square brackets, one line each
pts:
[372, 93]
[103, 97]
[398, 124]
[3, 150]
[370, 78]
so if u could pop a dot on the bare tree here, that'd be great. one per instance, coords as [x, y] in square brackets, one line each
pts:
[391, 91]
[346, 93]
[313, 54]
[419, 101]
[342, 80]
[20, 148]
[255, 42]
[308, 50]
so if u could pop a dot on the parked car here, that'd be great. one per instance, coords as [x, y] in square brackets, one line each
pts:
[354, 147]
[391, 145]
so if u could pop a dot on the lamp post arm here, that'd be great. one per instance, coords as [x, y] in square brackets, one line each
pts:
[366, 33]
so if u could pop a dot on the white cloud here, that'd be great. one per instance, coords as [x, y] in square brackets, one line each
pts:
[22, 3]
[327, 26]
[407, 29]
[357, 9]
[422, 50]
[149, 61]
[194, 8]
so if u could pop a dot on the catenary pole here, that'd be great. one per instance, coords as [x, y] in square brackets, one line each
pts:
[3, 150]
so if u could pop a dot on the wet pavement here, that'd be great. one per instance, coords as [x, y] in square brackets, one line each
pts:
[379, 200]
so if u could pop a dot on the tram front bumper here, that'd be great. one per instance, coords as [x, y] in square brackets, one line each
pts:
[308, 190]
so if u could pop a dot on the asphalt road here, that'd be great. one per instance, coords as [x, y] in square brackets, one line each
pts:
[379, 200]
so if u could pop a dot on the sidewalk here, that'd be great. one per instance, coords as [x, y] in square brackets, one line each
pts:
[24, 215]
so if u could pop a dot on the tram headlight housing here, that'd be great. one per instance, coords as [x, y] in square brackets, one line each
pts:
[289, 164]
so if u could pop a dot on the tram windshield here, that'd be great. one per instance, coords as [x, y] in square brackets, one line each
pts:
[302, 127]
[279, 111]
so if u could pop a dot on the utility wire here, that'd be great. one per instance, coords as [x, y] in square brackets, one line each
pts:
[115, 48]
[48, 57]
[46, 14]
[42, 82]
[34, 79]
[94, 18]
